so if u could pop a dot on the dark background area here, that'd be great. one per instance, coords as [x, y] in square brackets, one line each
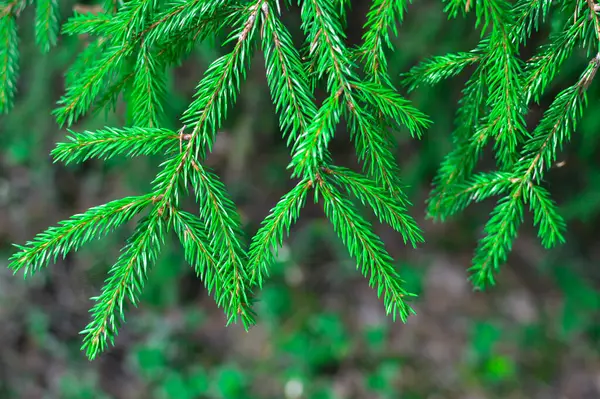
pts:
[322, 332]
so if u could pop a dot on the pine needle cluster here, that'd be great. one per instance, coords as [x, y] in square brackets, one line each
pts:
[133, 45]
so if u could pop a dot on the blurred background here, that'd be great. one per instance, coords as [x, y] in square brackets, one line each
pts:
[322, 332]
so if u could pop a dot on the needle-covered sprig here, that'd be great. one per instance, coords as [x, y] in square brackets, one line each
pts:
[131, 48]
[493, 109]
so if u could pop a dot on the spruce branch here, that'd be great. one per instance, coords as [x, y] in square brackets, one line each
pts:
[228, 243]
[107, 100]
[545, 215]
[85, 88]
[71, 234]
[9, 57]
[274, 228]
[435, 69]
[368, 250]
[543, 67]
[374, 149]
[500, 232]
[194, 20]
[132, 18]
[205, 114]
[539, 153]
[594, 16]
[110, 142]
[460, 162]
[385, 206]
[529, 14]
[149, 89]
[220, 84]
[505, 121]
[382, 17]
[81, 94]
[556, 126]
[88, 56]
[324, 38]
[46, 23]
[477, 188]
[287, 80]
[125, 282]
[398, 111]
[133, 44]
[216, 89]
[112, 6]
[311, 148]
[194, 238]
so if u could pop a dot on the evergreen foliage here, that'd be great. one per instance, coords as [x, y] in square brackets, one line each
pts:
[134, 43]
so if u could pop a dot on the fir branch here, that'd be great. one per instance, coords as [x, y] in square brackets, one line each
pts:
[125, 282]
[73, 233]
[9, 59]
[385, 206]
[269, 237]
[47, 23]
[368, 250]
[110, 142]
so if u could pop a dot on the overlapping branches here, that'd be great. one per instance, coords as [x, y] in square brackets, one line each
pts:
[312, 129]
[523, 158]
[135, 43]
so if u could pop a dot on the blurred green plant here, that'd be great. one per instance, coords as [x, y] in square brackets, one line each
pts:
[132, 45]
